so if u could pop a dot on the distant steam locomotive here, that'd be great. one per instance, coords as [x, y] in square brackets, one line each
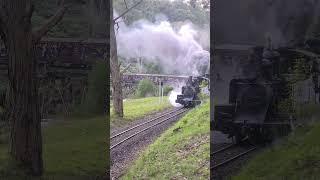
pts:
[189, 93]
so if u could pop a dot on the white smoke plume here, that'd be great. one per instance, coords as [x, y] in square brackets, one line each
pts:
[176, 49]
[174, 93]
[172, 98]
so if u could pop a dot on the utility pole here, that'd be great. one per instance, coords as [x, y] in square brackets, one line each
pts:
[161, 91]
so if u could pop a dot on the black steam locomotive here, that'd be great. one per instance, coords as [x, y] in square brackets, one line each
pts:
[252, 112]
[189, 94]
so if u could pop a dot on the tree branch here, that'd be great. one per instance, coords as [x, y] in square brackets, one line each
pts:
[125, 2]
[126, 68]
[125, 12]
[117, 23]
[54, 20]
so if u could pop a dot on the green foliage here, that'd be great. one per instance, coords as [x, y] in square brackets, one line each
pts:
[75, 22]
[204, 97]
[286, 106]
[166, 90]
[204, 84]
[175, 11]
[152, 68]
[307, 111]
[97, 89]
[295, 158]
[147, 66]
[183, 151]
[145, 88]
[299, 71]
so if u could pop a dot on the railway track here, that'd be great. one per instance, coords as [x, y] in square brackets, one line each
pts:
[127, 134]
[230, 153]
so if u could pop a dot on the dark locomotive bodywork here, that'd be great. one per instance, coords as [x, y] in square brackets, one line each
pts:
[189, 94]
[250, 109]
[189, 97]
[253, 110]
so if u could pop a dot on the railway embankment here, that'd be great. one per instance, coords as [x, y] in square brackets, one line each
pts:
[296, 156]
[182, 151]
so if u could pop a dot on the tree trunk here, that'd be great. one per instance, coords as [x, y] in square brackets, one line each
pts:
[23, 114]
[24, 117]
[107, 59]
[115, 72]
[23, 101]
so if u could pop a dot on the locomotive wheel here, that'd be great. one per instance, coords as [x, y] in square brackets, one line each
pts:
[268, 136]
[260, 136]
[255, 138]
[239, 138]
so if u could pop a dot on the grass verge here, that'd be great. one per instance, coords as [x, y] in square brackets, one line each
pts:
[72, 149]
[136, 108]
[298, 157]
[183, 151]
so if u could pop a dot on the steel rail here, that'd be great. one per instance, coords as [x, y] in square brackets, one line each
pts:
[233, 158]
[138, 125]
[139, 132]
[223, 149]
[229, 146]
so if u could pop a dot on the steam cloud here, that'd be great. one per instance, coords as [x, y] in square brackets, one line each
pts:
[176, 50]
[250, 21]
[173, 96]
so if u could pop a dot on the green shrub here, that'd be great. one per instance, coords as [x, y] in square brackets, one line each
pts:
[166, 90]
[204, 97]
[145, 88]
[307, 110]
[204, 84]
[97, 89]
